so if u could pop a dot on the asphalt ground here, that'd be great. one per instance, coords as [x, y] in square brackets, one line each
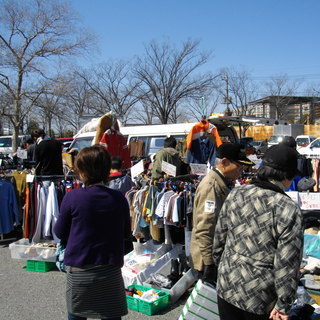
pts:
[27, 295]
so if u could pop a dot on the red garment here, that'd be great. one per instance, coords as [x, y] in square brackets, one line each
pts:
[202, 128]
[116, 144]
[115, 174]
[26, 217]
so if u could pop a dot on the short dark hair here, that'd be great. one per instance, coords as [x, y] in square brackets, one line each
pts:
[265, 173]
[93, 164]
[30, 141]
[170, 142]
[37, 133]
[116, 163]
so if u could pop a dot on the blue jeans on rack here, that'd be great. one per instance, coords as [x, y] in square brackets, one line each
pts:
[74, 317]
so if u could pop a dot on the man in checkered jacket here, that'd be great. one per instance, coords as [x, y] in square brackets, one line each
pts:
[257, 243]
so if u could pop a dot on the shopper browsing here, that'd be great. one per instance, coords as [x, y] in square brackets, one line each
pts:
[93, 222]
[257, 243]
[168, 154]
[210, 195]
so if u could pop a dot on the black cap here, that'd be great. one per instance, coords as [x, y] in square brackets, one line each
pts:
[283, 158]
[289, 141]
[232, 151]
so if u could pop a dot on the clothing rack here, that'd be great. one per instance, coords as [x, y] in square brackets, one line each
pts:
[58, 176]
[185, 177]
[7, 239]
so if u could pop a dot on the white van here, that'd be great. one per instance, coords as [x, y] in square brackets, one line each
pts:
[304, 140]
[6, 143]
[153, 136]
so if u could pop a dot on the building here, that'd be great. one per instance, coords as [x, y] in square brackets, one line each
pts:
[304, 110]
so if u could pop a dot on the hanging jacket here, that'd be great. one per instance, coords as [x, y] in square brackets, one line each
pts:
[115, 143]
[203, 128]
[202, 141]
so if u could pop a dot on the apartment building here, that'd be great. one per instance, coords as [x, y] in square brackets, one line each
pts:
[304, 110]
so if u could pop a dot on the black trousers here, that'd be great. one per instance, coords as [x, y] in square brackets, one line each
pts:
[228, 311]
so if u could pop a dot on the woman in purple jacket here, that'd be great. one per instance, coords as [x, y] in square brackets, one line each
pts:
[93, 223]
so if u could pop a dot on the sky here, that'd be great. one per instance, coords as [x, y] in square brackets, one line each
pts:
[264, 37]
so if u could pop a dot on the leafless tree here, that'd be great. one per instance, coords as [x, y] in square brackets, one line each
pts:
[202, 108]
[143, 113]
[281, 91]
[168, 77]
[238, 90]
[79, 100]
[33, 33]
[113, 85]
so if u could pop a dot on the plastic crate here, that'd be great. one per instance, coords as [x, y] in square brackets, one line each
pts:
[180, 287]
[22, 249]
[146, 307]
[39, 266]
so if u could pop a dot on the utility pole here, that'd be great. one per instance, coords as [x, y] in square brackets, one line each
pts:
[227, 99]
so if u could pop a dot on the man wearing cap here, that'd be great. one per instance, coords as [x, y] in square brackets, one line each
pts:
[257, 243]
[210, 195]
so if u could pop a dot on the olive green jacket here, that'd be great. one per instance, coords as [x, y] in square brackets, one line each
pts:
[169, 155]
[209, 198]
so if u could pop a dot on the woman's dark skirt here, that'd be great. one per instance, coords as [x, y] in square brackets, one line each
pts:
[96, 293]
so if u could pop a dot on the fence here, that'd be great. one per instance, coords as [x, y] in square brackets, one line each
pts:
[264, 132]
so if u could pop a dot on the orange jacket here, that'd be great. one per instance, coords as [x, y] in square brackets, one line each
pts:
[204, 127]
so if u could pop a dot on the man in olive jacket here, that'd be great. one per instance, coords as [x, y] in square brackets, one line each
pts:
[209, 198]
[168, 154]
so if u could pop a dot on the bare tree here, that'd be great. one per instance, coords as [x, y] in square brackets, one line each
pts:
[32, 34]
[238, 90]
[79, 100]
[113, 85]
[204, 107]
[281, 91]
[168, 78]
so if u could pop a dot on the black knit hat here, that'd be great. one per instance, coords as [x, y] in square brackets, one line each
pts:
[233, 152]
[289, 141]
[283, 158]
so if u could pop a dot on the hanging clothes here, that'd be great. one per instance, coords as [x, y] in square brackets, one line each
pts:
[202, 141]
[136, 148]
[51, 213]
[9, 214]
[115, 143]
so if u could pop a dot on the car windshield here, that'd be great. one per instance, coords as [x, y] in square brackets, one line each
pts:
[275, 139]
[256, 143]
[315, 144]
[302, 141]
[80, 143]
[5, 142]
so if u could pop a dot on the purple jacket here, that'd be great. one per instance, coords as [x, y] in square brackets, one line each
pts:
[94, 221]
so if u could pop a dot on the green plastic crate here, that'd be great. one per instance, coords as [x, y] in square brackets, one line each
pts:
[40, 266]
[146, 307]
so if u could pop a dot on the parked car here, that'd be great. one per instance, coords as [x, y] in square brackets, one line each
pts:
[304, 140]
[247, 145]
[260, 145]
[6, 143]
[274, 140]
[66, 142]
[312, 150]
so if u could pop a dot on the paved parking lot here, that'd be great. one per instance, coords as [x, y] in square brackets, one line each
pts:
[26, 295]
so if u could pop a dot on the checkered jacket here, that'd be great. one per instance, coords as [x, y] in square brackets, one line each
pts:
[257, 245]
